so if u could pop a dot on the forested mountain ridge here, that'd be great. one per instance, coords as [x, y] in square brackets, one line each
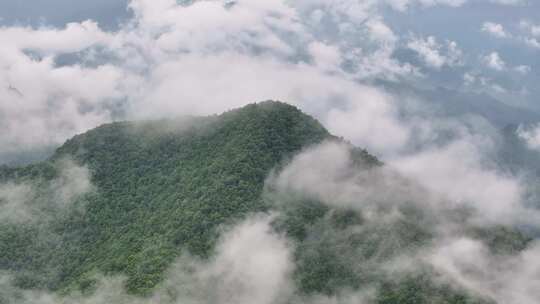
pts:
[162, 186]
[149, 191]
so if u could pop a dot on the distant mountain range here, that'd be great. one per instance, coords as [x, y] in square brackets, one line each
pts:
[446, 102]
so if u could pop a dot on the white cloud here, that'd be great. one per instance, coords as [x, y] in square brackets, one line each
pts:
[456, 172]
[169, 61]
[442, 179]
[35, 200]
[469, 79]
[73, 38]
[206, 58]
[535, 30]
[497, 88]
[532, 28]
[212, 48]
[531, 136]
[509, 2]
[325, 56]
[523, 69]
[504, 279]
[326, 173]
[432, 54]
[532, 33]
[252, 264]
[46, 103]
[13, 200]
[495, 29]
[379, 31]
[488, 84]
[494, 61]
[532, 42]
[403, 5]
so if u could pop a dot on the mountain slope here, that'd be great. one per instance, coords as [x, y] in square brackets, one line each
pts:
[158, 189]
[164, 186]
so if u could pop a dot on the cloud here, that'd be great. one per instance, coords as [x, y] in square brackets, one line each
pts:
[456, 172]
[531, 136]
[439, 183]
[379, 31]
[523, 69]
[72, 182]
[454, 175]
[327, 173]
[494, 61]
[532, 28]
[31, 200]
[469, 79]
[504, 279]
[509, 2]
[431, 52]
[58, 82]
[498, 88]
[64, 81]
[13, 199]
[532, 42]
[45, 103]
[325, 56]
[403, 5]
[73, 38]
[532, 33]
[495, 29]
[252, 264]
[210, 56]
[34, 200]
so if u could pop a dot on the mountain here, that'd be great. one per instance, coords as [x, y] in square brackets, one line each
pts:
[131, 197]
[446, 102]
[163, 182]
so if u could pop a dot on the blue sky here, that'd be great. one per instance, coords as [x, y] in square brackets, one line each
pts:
[464, 25]
[59, 12]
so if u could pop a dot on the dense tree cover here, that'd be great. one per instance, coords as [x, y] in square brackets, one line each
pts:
[336, 250]
[165, 187]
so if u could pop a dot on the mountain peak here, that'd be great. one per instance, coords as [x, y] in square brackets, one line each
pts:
[170, 182]
[285, 121]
